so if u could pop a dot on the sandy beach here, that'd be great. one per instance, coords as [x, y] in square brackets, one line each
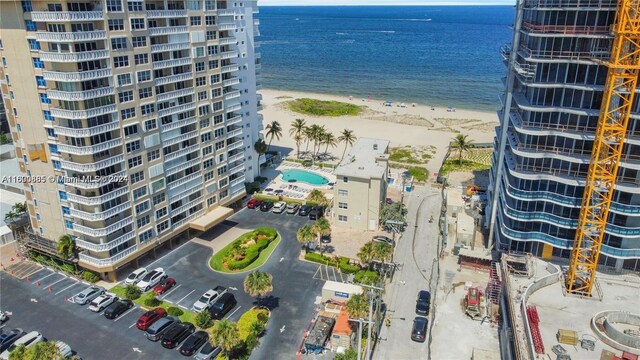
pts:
[417, 126]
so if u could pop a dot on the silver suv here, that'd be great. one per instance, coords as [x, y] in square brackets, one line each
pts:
[88, 294]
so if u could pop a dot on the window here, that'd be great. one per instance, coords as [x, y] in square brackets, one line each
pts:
[27, 6]
[65, 210]
[201, 81]
[137, 177]
[223, 182]
[139, 192]
[145, 93]
[157, 199]
[137, 23]
[50, 132]
[68, 224]
[157, 185]
[62, 195]
[163, 226]
[345, 179]
[217, 119]
[146, 236]
[47, 115]
[205, 123]
[342, 205]
[200, 66]
[218, 132]
[217, 106]
[53, 149]
[342, 218]
[131, 130]
[124, 79]
[127, 113]
[208, 163]
[116, 25]
[33, 44]
[147, 109]
[206, 137]
[162, 212]
[224, 194]
[217, 92]
[343, 193]
[119, 43]
[114, 5]
[135, 161]
[202, 95]
[203, 110]
[134, 5]
[198, 52]
[219, 145]
[30, 25]
[210, 20]
[196, 21]
[153, 154]
[144, 75]
[150, 125]
[207, 150]
[37, 63]
[211, 35]
[212, 50]
[215, 78]
[120, 61]
[143, 220]
[40, 81]
[222, 170]
[44, 99]
[56, 164]
[141, 59]
[125, 96]
[139, 41]
[133, 146]
[213, 64]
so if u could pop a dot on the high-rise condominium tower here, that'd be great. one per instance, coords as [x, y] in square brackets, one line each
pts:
[544, 142]
[134, 120]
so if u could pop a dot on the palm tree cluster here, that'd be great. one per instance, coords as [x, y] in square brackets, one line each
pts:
[318, 136]
[379, 251]
[17, 210]
[309, 233]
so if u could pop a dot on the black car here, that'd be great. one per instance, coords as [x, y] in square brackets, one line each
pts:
[316, 213]
[193, 343]
[419, 330]
[423, 303]
[176, 333]
[222, 306]
[304, 210]
[266, 206]
[325, 239]
[9, 338]
[117, 308]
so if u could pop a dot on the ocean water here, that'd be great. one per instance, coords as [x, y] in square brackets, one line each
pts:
[439, 55]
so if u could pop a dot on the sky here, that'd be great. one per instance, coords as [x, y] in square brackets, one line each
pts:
[382, 2]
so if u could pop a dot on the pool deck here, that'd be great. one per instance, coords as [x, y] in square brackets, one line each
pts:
[298, 190]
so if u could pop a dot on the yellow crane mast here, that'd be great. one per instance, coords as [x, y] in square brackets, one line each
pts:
[617, 100]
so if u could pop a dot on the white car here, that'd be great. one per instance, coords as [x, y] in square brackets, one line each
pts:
[28, 341]
[64, 350]
[207, 299]
[151, 279]
[101, 302]
[3, 317]
[279, 207]
[135, 276]
[87, 295]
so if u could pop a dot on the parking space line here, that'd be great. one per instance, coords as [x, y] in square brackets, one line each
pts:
[170, 291]
[177, 302]
[53, 273]
[167, 254]
[184, 307]
[46, 286]
[74, 284]
[37, 271]
[234, 311]
[132, 325]
[125, 314]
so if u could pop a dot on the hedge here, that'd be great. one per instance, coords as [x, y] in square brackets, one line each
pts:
[368, 277]
[347, 268]
[174, 311]
[315, 257]
[343, 263]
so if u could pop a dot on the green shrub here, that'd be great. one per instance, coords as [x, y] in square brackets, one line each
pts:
[368, 277]
[132, 292]
[68, 268]
[90, 276]
[315, 257]
[174, 311]
[203, 319]
[347, 268]
[152, 302]
[307, 163]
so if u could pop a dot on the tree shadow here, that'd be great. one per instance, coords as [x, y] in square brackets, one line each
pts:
[270, 302]
[328, 249]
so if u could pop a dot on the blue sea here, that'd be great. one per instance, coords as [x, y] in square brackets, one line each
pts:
[437, 55]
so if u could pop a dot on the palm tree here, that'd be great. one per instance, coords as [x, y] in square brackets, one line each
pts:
[225, 334]
[330, 140]
[305, 235]
[321, 228]
[66, 246]
[317, 197]
[307, 133]
[258, 284]
[346, 137]
[10, 217]
[357, 306]
[19, 208]
[461, 144]
[367, 252]
[274, 130]
[316, 133]
[261, 148]
[297, 131]
[382, 251]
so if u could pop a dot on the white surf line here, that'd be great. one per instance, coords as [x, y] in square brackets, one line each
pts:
[164, 296]
[74, 284]
[177, 302]
[234, 311]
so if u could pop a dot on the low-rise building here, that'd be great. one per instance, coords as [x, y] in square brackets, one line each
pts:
[361, 185]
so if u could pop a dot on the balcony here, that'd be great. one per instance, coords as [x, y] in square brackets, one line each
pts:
[172, 79]
[89, 167]
[171, 63]
[80, 95]
[105, 246]
[100, 216]
[71, 36]
[228, 41]
[177, 109]
[187, 206]
[234, 120]
[179, 124]
[89, 150]
[97, 200]
[228, 55]
[170, 47]
[236, 157]
[86, 132]
[168, 30]
[183, 180]
[174, 94]
[232, 95]
[83, 114]
[74, 57]
[187, 219]
[156, 14]
[180, 138]
[227, 12]
[181, 152]
[229, 68]
[102, 231]
[94, 184]
[76, 76]
[236, 169]
[180, 167]
[237, 181]
[566, 4]
[107, 261]
[227, 27]
[230, 82]
[236, 132]
[236, 145]
[58, 16]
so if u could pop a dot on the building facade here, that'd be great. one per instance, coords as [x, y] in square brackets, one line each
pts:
[361, 185]
[133, 120]
[543, 145]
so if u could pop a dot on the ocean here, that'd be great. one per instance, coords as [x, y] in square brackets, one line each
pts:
[434, 55]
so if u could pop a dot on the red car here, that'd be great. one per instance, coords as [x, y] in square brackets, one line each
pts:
[254, 203]
[164, 285]
[150, 317]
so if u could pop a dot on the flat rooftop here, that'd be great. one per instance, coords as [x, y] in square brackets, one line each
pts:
[362, 160]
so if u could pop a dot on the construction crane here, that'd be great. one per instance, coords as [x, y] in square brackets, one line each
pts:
[617, 100]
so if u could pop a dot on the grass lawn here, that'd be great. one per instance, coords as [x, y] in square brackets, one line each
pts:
[248, 318]
[419, 174]
[323, 108]
[187, 316]
[216, 259]
[452, 165]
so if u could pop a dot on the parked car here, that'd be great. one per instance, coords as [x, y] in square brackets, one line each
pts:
[316, 213]
[304, 210]
[3, 317]
[266, 206]
[208, 298]
[27, 340]
[279, 207]
[208, 352]
[9, 338]
[419, 330]
[222, 306]
[117, 308]
[135, 276]
[145, 320]
[101, 302]
[164, 285]
[325, 239]
[194, 342]
[64, 350]
[423, 303]
[151, 279]
[85, 296]
[176, 333]
[388, 201]
[155, 331]
[254, 203]
[383, 239]
[292, 208]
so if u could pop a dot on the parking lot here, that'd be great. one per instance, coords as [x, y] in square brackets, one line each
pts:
[39, 303]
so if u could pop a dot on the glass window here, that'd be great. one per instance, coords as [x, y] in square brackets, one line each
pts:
[27, 6]
[125, 96]
[30, 25]
[118, 43]
[141, 59]
[114, 5]
[50, 132]
[127, 113]
[68, 224]
[40, 81]
[116, 25]
[196, 21]
[44, 99]
[33, 44]
[133, 146]
[144, 75]
[63, 195]
[145, 93]
[211, 35]
[137, 23]
[37, 63]
[120, 61]
[150, 124]
[147, 109]
[342, 218]
[47, 115]
[134, 5]
[124, 79]
[131, 130]
[139, 41]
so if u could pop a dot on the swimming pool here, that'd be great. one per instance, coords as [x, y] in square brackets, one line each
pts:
[295, 175]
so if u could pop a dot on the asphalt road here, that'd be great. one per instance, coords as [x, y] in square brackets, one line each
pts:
[291, 302]
[416, 251]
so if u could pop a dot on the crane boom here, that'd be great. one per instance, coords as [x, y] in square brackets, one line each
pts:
[617, 100]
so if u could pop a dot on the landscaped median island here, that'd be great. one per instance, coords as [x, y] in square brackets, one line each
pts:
[323, 108]
[248, 252]
[149, 301]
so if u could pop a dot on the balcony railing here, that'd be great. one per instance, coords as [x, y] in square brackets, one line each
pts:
[233, 107]
[99, 216]
[97, 200]
[611, 4]
[171, 63]
[236, 157]
[57, 16]
[177, 109]
[89, 150]
[106, 246]
[181, 152]
[187, 219]
[228, 41]
[181, 166]
[83, 114]
[71, 36]
[566, 29]
[99, 232]
[173, 78]
[169, 47]
[227, 27]
[76, 76]
[89, 167]
[227, 12]
[179, 138]
[234, 120]
[230, 82]
[183, 180]
[236, 169]
[236, 145]
[168, 30]
[107, 261]
[86, 132]
[174, 94]
[232, 95]
[74, 57]
[237, 181]
[154, 14]
[95, 184]
[187, 206]
[80, 95]
[228, 55]
[179, 123]
[236, 132]
[229, 68]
